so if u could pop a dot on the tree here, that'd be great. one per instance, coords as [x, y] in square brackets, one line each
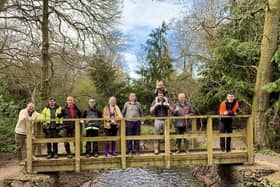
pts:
[158, 59]
[264, 74]
[2, 4]
[65, 29]
[107, 77]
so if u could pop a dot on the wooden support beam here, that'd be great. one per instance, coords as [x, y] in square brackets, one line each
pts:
[77, 146]
[167, 143]
[29, 147]
[194, 129]
[250, 140]
[123, 145]
[209, 140]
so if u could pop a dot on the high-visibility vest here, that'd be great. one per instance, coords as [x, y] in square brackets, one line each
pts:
[46, 115]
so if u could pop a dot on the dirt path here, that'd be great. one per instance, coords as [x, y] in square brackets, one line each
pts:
[8, 166]
[271, 160]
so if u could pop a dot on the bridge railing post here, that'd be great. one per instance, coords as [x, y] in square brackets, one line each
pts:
[209, 140]
[77, 146]
[250, 140]
[167, 142]
[194, 130]
[29, 147]
[123, 144]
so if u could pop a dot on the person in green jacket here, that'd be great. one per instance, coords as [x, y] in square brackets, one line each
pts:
[51, 127]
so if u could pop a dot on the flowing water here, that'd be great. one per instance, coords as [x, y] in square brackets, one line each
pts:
[134, 177]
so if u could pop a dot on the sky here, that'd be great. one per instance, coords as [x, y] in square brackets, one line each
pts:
[139, 18]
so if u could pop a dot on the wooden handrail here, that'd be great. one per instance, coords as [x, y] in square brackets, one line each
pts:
[167, 136]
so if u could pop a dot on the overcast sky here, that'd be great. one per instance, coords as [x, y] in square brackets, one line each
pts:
[139, 18]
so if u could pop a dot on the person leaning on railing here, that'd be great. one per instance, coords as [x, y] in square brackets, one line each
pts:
[70, 111]
[51, 128]
[25, 114]
[112, 116]
[228, 107]
[182, 108]
[92, 127]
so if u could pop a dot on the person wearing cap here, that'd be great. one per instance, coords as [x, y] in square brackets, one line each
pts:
[25, 114]
[92, 127]
[228, 107]
[51, 127]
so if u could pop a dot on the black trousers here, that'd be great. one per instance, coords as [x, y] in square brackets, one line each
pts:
[52, 147]
[180, 130]
[91, 145]
[113, 131]
[225, 127]
[68, 132]
[133, 128]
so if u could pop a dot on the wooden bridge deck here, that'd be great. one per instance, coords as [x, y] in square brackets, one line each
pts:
[166, 158]
[41, 164]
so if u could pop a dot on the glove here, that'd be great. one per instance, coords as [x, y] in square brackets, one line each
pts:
[45, 125]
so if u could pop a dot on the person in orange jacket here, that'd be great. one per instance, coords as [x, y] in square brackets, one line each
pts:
[228, 107]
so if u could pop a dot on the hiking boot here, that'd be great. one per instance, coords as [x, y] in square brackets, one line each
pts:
[49, 156]
[156, 152]
[88, 155]
[55, 156]
[178, 151]
[95, 154]
[69, 156]
[22, 163]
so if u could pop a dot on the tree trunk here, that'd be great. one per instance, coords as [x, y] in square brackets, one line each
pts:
[2, 3]
[44, 91]
[264, 74]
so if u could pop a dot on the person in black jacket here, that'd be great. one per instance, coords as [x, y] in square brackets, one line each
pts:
[70, 111]
[92, 127]
[160, 107]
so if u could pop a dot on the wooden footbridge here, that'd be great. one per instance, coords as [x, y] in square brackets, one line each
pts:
[204, 147]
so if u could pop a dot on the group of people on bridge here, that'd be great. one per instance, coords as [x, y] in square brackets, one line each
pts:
[52, 122]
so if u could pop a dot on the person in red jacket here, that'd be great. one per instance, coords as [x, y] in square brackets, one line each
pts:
[228, 107]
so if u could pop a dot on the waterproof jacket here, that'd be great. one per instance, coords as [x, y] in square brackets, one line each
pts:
[231, 108]
[46, 116]
[92, 113]
[65, 113]
[181, 112]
